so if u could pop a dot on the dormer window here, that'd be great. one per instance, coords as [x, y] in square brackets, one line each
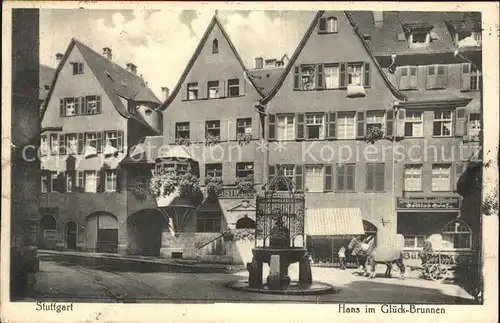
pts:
[327, 25]
[215, 46]
[418, 33]
[419, 38]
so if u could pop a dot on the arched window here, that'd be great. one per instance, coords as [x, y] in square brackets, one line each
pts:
[331, 25]
[215, 46]
[457, 235]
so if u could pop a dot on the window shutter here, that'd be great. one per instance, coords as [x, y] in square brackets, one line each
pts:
[224, 128]
[331, 129]
[460, 122]
[350, 177]
[99, 141]
[360, 131]
[320, 77]
[272, 171]
[343, 76]
[322, 24]
[299, 177]
[61, 108]
[431, 79]
[340, 177]
[120, 141]
[83, 107]
[77, 106]
[119, 177]
[404, 77]
[465, 77]
[441, 78]
[296, 78]
[62, 182]
[366, 79]
[328, 182]
[413, 72]
[62, 144]
[222, 89]
[98, 104]
[300, 126]
[81, 142]
[379, 177]
[370, 178]
[101, 180]
[400, 123]
[272, 127]
[389, 123]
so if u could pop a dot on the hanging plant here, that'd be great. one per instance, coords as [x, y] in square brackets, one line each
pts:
[240, 235]
[213, 186]
[244, 185]
[243, 138]
[373, 134]
[140, 188]
[183, 141]
[212, 140]
[163, 184]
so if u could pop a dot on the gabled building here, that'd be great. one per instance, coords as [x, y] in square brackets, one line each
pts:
[46, 76]
[94, 110]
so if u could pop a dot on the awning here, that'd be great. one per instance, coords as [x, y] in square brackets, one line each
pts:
[334, 221]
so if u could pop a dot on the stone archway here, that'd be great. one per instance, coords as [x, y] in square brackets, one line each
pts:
[144, 230]
[48, 232]
[70, 235]
[101, 232]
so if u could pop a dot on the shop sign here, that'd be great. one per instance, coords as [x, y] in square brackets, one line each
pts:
[428, 203]
[232, 192]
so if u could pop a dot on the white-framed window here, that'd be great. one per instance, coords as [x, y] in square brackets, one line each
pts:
[112, 139]
[213, 89]
[315, 126]
[288, 172]
[475, 78]
[212, 128]
[77, 68]
[54, 144]
[192, 89]
[110, 183]
[441, 177]
[314, 178]
[69, 107]
[182, 130]
[442, 126]
[54, 182]
[44, 145]
[375, 119]
[69, 182]
[244, 126]
[414, 241]
[45, 183]
[346, 123]
[92, 104]
[308, 77]
[355, 74]
[244, 169]
[91, 181]
[286, 127]
[91, 139]
[213, 170]
[456, 235]
[182, 168]
[474, 125]
[332, 76]
[331, 25]
[72, 142]
[233, 87]
[414, 126]
[413, 178]
[80, 179]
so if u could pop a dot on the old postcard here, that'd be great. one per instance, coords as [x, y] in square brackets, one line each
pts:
[250, 161]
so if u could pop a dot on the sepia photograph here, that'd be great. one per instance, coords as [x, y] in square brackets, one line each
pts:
[236, 155]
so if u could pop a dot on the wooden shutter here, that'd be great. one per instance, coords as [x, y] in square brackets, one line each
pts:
[99, 136]
[389, 123]
[224, 128]
[360, 131]
[62, 144]
[328, 182]
[61, 108]
[300, 130]
[272, 127]
[465, 77]
[272, 172]
[431, 79]
[366, 79]
[299, 177]
[404, 80]
[83, 107]
[222, 89]
[370, 178]
[320, 84]
[350, 177]
[343, 76]
[81, 142]
[460, 129]
[413, 74]
[441, 78]
[119, 178]
[340, 177]
[322, 25]
[400, 123]
[331, 130]
[379, 177]
[101, 180]
[77, 105]
[296, 78]
[98, 104]
[120, 141]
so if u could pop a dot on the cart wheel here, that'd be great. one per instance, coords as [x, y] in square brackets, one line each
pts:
[435, 272]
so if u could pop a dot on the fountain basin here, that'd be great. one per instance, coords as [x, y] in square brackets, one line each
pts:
[287, 255]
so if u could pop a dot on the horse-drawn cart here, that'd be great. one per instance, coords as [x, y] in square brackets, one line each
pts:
[437, 265]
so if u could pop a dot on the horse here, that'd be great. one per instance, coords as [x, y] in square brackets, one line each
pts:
[369, 256]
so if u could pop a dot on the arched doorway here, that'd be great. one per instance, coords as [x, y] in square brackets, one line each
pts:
[144, 229]
[245, 223]
[101, 232]
[70, 234]
[48, 232]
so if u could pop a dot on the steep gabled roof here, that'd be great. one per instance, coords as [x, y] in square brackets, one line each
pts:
[115, 80]
[266, 78]
[46, 76]
[302, 44]
[213, 22]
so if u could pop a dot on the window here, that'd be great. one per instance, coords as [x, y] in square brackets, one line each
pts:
[213, 89]
[69, 107]
[345, 177]
[208, 222]
[413, 178]
[315, 126]
[441, 177]
[213, 170]
[112, 139]
[72, 141]
[244, 126]
[233, 87]
[80, 179]
[413, 124]
[331, 76]
[93, 105]
[314, 178]
[474, 125]
[442, 124]
[244, 169]
[182, 169]
[288, 172]
[212, 128]
[327, 25]
[215, 46]
[456, 235]
[355, 74]
[286, 127]
[419, 37]
[192, 89]
[54, 144]
[414, 241]
[182, 130]
[110, 181]
[45, 183]
[44, 145]
[69, 182]
[471, 78]
[77, 68]
[346, 123]
[91, 139]
[408, 78]
[475, 79]
[375, 177]
[307, 73]
[54, 182]
[436, 76]
[91, 181]
[375, 119]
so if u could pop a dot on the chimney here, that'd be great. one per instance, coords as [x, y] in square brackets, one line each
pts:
[59, 58]
[165, 92]
[378, 18]
[106, 52]
[132, 68]
[259, 63]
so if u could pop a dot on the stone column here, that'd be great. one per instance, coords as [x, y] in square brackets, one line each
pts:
[305, 273]
[274, 279]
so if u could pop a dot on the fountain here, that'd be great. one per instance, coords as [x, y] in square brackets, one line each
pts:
[280, 214]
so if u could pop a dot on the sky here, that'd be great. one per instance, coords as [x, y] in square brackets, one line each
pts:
[161, 42]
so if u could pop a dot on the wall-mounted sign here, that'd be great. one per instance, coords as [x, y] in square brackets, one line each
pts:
[232, 192]
[428, 203]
